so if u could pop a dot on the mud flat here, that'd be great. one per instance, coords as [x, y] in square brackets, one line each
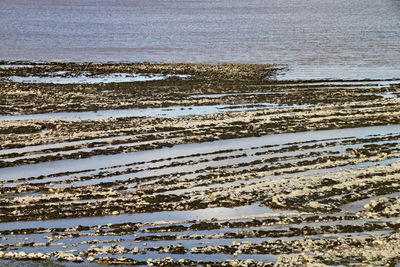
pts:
[195, 164]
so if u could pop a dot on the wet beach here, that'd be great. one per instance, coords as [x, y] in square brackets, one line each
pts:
[199, 133]
[196, 164]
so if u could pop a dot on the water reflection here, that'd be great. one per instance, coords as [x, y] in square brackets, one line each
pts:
[166, 216]
[170, 112]
[86, 78]
[95, 162]
[298, 33]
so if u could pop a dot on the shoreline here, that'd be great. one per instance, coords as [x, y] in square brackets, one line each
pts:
[236, 140]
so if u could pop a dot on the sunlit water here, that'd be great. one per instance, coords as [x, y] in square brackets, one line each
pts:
[328, 39]
[47, 168]
[93, 79]
[169, 112]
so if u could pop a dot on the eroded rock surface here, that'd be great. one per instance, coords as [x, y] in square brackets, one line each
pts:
[219, 166]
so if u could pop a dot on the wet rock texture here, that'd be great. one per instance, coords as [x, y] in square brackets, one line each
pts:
[282, 173]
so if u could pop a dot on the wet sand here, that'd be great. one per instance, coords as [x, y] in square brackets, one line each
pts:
[196, 164]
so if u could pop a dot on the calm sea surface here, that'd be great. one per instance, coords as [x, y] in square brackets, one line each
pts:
[316, 38]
